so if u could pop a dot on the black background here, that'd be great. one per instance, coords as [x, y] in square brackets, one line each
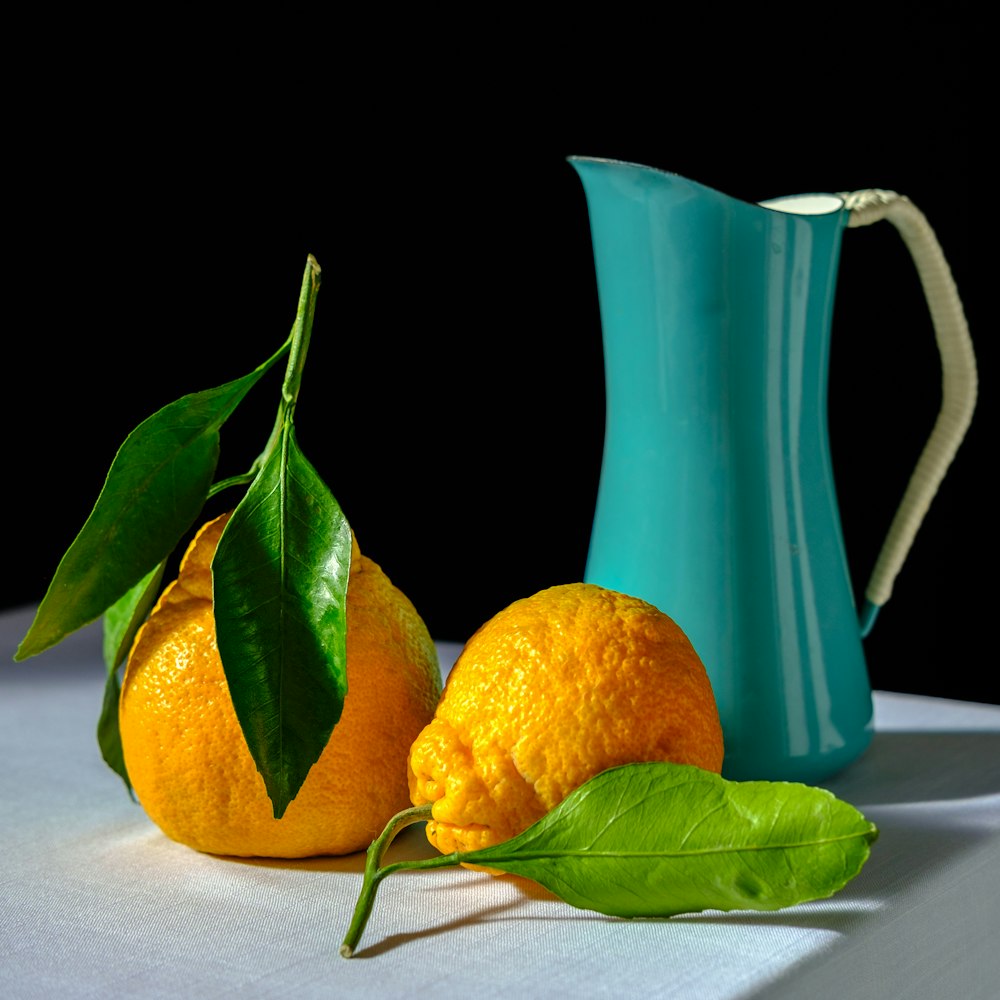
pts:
[163, 205]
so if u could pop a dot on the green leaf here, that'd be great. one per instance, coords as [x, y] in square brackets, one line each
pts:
[153, 493]
[123, 618]
[655, 840]
[108, 734]
[280, 588]
[121, 622]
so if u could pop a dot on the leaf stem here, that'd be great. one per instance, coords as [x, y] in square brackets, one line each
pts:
[224, 484]
[301, 333]
[299, 339]
[374, 872]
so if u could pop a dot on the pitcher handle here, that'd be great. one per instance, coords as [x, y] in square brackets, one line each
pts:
[958, 389]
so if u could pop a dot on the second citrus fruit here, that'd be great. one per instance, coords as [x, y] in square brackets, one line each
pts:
[551, 691]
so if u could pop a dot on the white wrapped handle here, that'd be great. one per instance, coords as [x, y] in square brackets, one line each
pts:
[958, 372]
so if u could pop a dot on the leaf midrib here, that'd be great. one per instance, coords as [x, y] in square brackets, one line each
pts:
[588, 854]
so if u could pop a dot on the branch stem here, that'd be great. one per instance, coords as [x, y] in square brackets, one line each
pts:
[301, 332]
[299, 340]
[375, 872]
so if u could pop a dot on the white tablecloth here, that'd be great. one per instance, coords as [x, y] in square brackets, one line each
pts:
[95, 902]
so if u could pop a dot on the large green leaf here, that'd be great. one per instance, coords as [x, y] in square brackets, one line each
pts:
[655, 840]
[659, 839]
[280, 589]
[154, 490]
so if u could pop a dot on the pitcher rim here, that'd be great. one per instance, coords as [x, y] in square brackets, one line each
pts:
[837, 202]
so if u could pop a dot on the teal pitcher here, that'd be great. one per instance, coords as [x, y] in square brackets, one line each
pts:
[716, 500]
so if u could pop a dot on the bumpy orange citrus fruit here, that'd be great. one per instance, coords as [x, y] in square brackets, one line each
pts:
[185, 752]
[548, 693]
